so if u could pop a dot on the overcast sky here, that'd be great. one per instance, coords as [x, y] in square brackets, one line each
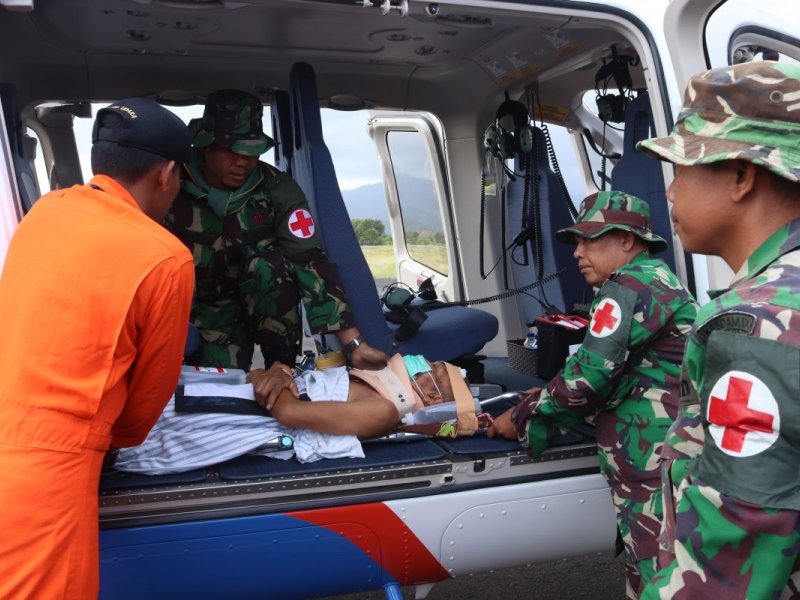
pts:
[346, 135]
[353, 152]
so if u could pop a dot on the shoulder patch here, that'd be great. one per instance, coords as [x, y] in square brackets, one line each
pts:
[743, 415]
[301, 224]
[608, 332]
[606, 318]
[752, 420]
[735, 321]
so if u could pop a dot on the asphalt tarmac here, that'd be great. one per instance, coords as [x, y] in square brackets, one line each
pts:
[596, 576]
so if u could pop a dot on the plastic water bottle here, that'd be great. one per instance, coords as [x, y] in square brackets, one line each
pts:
[436, 413]
[532, 341]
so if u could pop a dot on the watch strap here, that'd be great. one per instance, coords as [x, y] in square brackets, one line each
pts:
[351, 346]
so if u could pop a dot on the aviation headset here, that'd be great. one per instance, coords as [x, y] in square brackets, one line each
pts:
[398, 295]
[611, 107]
[502, 143]
[398, 298]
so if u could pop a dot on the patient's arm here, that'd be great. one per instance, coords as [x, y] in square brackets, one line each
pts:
[365, 414]
[269, 384]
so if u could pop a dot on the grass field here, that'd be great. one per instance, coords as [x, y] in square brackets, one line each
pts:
[383, 264]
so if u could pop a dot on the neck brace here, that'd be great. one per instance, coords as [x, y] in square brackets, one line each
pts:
[394, 384]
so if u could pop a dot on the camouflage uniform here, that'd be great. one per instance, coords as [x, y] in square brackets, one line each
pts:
[624, 376]
[256, 252]
[731, 501]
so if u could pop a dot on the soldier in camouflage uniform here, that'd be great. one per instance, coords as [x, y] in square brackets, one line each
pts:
[732, 526]
[256, 251]
[625, 374]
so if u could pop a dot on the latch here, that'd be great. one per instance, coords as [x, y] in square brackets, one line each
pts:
[387, 6]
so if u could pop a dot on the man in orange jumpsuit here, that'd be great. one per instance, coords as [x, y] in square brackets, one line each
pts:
[96, 297]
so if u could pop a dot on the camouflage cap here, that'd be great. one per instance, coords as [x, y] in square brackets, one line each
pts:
[604, 211]
[746, 112]
[232, 119]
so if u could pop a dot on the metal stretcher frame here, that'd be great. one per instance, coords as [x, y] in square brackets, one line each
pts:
[400, 467]
[413, 512]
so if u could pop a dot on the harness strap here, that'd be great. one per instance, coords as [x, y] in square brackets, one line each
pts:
[413, 318]
[465, 404]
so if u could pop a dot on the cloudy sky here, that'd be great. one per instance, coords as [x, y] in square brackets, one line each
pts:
[353, 152]
[346, 135]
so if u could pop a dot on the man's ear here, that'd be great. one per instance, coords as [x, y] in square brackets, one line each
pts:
[627, 239]
[743, 179]
[165, 174]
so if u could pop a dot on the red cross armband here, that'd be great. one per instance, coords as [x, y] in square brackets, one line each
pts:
[301, 224]
[752, 419]
[608, 332]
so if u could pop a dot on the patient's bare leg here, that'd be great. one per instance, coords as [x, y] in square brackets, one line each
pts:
[365, 414]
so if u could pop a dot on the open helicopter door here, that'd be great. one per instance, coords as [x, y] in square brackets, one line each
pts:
[420, 221]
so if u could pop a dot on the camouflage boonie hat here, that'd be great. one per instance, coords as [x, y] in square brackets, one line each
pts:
[604, 211]
[749, 111]
[232, 119]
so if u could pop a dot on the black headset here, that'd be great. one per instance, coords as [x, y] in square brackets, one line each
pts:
[611, 107]
[502, 143]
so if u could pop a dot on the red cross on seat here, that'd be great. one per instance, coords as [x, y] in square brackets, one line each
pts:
[604, 318]
[302, 223]
[733, 414]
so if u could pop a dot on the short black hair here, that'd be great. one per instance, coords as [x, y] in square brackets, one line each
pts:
[121, 162]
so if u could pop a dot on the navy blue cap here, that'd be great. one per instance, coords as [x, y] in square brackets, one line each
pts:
[147, 126]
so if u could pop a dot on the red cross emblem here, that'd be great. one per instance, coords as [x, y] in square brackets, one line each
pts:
[605, 320]
[743, 415]
[301, 224]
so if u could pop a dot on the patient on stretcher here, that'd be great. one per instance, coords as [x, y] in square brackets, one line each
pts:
[345, 406]
[377, 401]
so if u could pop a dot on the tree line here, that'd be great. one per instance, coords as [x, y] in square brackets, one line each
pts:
[372, 232]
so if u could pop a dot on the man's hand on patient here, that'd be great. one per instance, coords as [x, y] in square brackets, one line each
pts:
[359, 353]
[368, 358]
[270, 384]
[503, 426]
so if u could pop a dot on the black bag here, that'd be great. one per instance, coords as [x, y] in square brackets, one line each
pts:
[555, 334]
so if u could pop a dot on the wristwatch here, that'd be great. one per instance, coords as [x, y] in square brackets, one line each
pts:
[351, 346]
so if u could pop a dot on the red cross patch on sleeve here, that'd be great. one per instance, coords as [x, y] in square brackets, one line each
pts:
[751, 418]
[606, 318]
[608, 332]
[301, 224]
[743, 416]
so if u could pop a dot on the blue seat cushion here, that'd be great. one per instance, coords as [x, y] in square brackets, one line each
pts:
[450, 332]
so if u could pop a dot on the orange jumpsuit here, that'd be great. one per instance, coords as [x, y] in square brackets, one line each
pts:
[95, 300]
